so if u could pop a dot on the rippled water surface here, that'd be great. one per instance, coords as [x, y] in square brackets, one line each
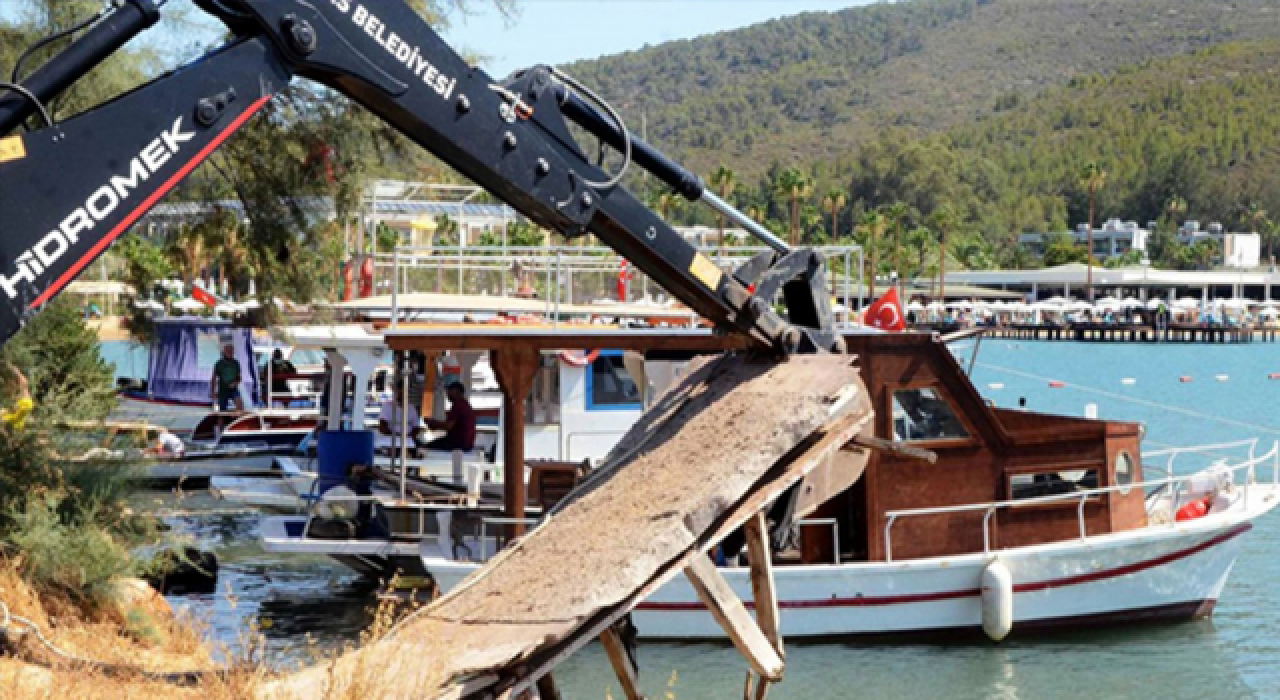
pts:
[1235, 655]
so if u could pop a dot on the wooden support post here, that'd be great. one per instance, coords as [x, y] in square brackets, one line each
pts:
[732, 615]
[621, 663]
[514, 367]
[766, 598]
[547, 689]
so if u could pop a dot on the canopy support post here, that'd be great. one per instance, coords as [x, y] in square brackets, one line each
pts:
[514, 367]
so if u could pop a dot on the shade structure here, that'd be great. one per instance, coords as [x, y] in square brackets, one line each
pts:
[1154, 304]
[936, 306]
[1236, 303]
[228, 309]
[915, 305]
[1060, 301]
[1109, 303]
[1079, 305]
[251, 304]
[1130, 303]
[1269, 312]
[148, 304]
[1187, 303]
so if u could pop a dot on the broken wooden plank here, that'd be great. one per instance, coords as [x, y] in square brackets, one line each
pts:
[732, 615]
[895, 448]
[723, 446]
[621, 662]
[762, 590]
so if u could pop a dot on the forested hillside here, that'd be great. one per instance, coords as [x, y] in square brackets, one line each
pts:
[808, 87]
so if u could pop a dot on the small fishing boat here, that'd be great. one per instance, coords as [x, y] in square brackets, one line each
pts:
[192, 466]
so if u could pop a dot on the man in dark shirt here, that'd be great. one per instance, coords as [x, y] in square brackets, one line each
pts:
[459, 423]
[225, 384]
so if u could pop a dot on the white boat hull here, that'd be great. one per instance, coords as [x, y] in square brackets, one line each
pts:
[204, 468]
[1159, 572]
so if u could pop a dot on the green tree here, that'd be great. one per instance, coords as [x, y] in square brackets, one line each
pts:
[872, 229]
[942, 221]
[723, 180]
[834, 201]
[793, 186]
[1092, 179]
[145, 262]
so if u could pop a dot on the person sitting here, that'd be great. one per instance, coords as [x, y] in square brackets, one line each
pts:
[167, 445]
[459, 425]
[282, 371]
[391, 421]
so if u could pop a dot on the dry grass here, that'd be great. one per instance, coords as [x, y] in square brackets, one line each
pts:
[140, 637]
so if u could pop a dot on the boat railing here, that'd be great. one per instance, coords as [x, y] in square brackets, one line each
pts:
[1082, 497]
[313, 500]
[1172, 453]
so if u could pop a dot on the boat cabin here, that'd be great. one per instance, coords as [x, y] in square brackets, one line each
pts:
[924, 399]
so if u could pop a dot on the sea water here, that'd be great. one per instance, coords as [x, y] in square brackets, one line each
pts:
[1236, 654]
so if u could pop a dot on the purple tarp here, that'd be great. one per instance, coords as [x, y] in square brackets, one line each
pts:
[183, 353]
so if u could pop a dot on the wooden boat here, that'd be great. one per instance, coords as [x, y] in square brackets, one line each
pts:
[1025, 521]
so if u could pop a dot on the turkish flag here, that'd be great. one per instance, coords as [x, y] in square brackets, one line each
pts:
[204, 297]
[886, 313]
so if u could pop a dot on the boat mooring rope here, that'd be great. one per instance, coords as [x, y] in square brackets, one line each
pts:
[9, 621]
[1141, 402]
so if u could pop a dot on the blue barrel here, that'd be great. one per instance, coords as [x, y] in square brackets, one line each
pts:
[336, 451]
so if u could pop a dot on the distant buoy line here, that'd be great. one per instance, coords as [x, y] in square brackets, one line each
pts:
[1130, 399]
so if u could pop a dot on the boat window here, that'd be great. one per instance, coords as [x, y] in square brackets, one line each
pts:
[610, 386]
[307, 356]
[922, 414]
[1124, 470]
[1052, 483]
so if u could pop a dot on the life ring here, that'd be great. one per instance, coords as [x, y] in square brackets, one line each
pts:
[1193, 510]
[578, 359]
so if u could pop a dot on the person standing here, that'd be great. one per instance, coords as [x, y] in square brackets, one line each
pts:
[225, 383]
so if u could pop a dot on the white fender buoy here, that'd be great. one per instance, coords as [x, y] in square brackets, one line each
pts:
[997, 600]
[1221, 377]
[995, 386]
[1129, 381]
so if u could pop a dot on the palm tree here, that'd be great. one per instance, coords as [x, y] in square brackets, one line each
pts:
[793, 185]
[897, 213]
[186, 250]
[724, 180]
[873, 226]
[833, 202]
[1092, 178]
[943, 219]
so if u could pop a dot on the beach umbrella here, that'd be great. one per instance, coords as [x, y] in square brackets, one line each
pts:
[251, 304]
[1270, 303]
[229, 308]
[1079, 306]
[1186, 303]
[1131, 303]
[1108, 303]
[1154, 304]
[1048, 305]
[188, 304]
[915, 305]
[936, 306]
[1268, 312]
[1060, 301]
[1236, 303]
[148, 305]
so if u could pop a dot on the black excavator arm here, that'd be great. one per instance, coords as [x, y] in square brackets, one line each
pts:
[68, 189]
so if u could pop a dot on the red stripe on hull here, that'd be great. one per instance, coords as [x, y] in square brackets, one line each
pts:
[1173, 612]
[869, 601]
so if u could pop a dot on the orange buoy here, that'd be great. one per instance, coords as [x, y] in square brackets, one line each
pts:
[1194, 509]
[1055, 384]
[1184, 379]
[1274, 375]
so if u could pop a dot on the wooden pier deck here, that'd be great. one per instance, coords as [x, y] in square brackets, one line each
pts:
[1121, 333]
